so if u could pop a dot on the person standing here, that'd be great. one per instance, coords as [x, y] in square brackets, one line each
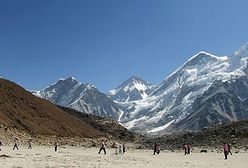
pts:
[102, 147]
[185, 149]
[158, 149]
[124, 148]
[15, 144]
[229, 148]
[1, 144]
[120, 148]
[56, 146]
[155, 148]
[29, 144]
[226, 150]
[188, 148]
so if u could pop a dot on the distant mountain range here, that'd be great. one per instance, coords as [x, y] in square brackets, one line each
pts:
[199, 93]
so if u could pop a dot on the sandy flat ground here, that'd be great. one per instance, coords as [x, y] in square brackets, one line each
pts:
[42, 156]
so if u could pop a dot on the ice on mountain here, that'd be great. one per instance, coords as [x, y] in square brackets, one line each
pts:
[157, 129]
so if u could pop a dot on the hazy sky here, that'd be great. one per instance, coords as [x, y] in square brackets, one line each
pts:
[104, 42]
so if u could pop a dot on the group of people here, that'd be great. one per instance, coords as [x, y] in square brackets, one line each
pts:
[187, 148]
[16, 144]
[29, 142]
[120, 148]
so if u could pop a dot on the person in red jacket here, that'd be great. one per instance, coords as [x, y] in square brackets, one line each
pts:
[226, 149]
[158, 149]
[189, 146]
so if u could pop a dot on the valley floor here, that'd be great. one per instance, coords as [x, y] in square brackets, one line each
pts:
[43, 156]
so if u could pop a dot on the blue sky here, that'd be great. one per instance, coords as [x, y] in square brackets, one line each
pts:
[104, 42]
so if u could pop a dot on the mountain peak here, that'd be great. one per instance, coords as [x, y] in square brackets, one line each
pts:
[203, 57]
[205, 54]
[90, 86]
[86, 98]
[134, 78]
[134, 88]
[68, 79]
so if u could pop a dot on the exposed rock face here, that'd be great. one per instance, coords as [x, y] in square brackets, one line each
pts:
[223, 102]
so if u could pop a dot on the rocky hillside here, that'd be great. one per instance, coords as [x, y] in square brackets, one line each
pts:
[235, 133]
[106, 125]
[20, 110]
[25, 115]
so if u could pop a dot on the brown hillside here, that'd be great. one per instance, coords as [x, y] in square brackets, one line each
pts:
[106, 125]
[21, 111]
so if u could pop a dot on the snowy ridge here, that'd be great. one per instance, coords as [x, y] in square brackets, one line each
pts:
[174, 97]
[86, 98]
[220, 58]
[223, 102]
[173, 105]
[135, 88]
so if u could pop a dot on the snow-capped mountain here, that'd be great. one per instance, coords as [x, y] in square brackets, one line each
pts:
[82, 97]
[173, 100]
[223, 102]
[135, 88]
[199, 93]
